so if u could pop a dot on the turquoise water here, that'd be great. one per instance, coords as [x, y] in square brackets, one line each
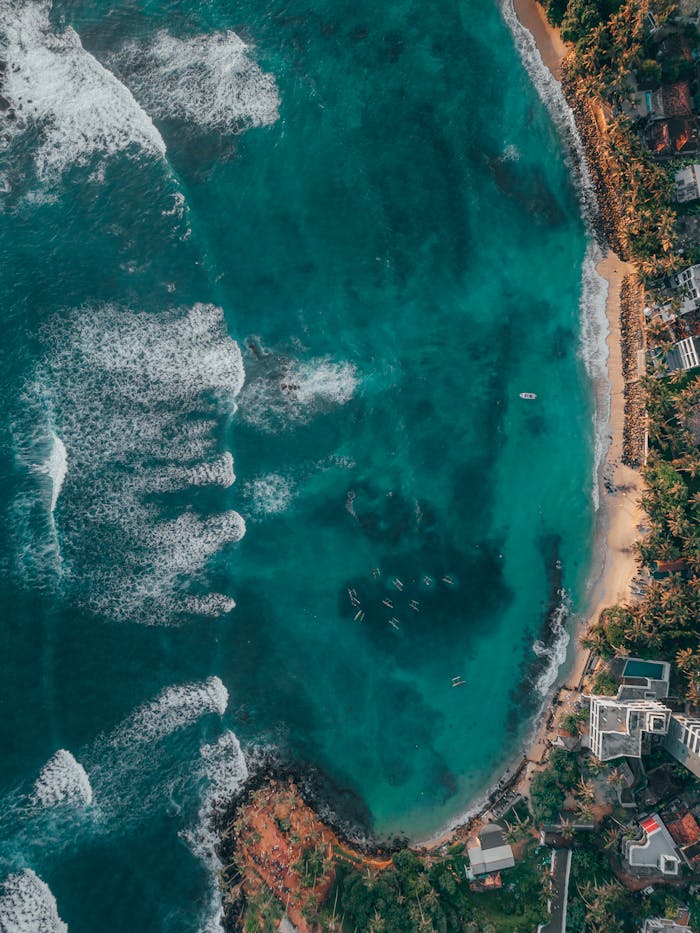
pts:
[368, 216]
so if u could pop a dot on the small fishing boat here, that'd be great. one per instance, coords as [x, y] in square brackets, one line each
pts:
[528, 395]
[458, 682]
[388, 603]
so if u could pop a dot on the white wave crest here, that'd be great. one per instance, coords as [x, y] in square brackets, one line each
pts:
[208, 81]
[78, 107]
[173, 709]
[56, 467]
[28, 906]
[293, 392]
[552, 96]
[555, 653]
[594, 328]
[138, 398]
[63, 780]
[224, 771]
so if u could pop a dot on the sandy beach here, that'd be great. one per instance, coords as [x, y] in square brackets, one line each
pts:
[620, 485]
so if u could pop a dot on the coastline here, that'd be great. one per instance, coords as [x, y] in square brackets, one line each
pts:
[618, 516]
[620, 485]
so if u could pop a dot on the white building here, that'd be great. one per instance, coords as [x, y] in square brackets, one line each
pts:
[688, 284]
[617, 727]
[688, 183]
[683, 741]
[663, 925]
[656, 852]
[492, 852]
[685, 354]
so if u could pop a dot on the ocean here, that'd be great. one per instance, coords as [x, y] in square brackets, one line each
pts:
[273, 278]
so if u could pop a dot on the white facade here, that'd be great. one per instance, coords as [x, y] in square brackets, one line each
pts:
[617, 727]
[688, 183]
[688, 284]
[683, 741]
[687, 353]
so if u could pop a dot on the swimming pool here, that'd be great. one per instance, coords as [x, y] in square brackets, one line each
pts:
[649, 669]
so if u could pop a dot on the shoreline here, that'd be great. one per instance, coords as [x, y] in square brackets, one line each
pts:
[618, 515]
[619, 485]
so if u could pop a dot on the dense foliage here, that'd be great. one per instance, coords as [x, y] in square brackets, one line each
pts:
[664, 623]
[431, 893]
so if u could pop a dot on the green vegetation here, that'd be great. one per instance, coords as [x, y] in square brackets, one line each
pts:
[664, 623]
[551, 785]
[431, 893]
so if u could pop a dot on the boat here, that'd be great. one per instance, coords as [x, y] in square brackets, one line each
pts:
[529, 395]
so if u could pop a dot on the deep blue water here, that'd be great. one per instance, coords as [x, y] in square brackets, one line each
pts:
[328, 261]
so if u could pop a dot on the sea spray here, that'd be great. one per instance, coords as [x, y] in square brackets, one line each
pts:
[63, 780]
[223, 771]
[28, 906]
[139, 399]
[53, 85]
[208, 81]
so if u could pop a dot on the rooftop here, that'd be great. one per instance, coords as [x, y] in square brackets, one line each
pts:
[656, 850]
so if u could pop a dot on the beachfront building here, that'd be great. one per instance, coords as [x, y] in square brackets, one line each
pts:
[619, 727]
[640, 679]
[663, 925]
[687, 182]
[687, 283]
[683, 741]
[491, 853]
[679, 296]
[656, 852]
[684, 355]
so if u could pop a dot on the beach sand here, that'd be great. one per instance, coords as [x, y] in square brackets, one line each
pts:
[620, 513]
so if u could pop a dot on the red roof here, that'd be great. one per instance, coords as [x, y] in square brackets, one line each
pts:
[649, 825]
[685, 831]
[671, 566]
[677, 99]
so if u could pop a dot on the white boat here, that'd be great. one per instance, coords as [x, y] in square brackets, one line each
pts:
[529, 395]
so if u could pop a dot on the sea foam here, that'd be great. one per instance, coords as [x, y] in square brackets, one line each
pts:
[282, 393]
[138, 399]
[62, 780]
[28, 906]
[77, 107]
[223, 772]
[209, 81]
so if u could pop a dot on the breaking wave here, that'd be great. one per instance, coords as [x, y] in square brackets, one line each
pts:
[138, 400]
[281, 393]
[63, 780]
[55, 87]
[28, 906]
[553, 654]
[56, 467]
[593, 348]
[208, 81]
[223, 772]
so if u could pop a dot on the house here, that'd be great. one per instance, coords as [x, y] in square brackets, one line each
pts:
[688, 284]
[664, 925]
[491, 854]
[687, 182]
[684, 355]
[640, 679]
[665, 567]
[655, 852]
[683, 741]
[680, 296]
[686, 834]
[618, 727]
